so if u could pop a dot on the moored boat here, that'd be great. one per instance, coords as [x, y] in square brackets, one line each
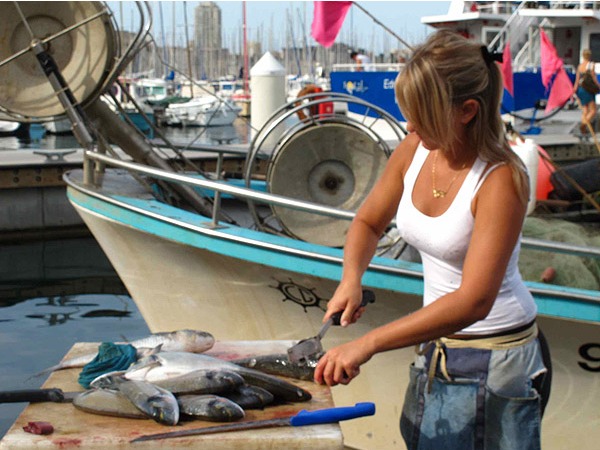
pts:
[202, 111]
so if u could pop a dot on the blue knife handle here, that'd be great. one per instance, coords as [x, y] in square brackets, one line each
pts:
[332, 415]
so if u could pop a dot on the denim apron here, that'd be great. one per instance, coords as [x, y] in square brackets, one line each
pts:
[475, 394]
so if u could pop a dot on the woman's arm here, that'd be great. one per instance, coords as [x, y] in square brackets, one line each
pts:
[494, 236]
[364, 233]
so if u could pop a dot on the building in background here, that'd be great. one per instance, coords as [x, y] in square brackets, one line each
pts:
[207, 40]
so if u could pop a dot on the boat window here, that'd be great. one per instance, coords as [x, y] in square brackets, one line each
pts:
[595, 46]
[489, 33]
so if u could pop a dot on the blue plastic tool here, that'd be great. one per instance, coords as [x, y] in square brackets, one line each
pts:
[319, 416]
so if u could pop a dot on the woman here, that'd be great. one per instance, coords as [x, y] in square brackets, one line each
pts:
[586, 99]
[460, 195]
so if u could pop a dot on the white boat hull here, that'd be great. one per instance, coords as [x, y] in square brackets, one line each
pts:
[181, 286]
[202, 112]
[59, 126]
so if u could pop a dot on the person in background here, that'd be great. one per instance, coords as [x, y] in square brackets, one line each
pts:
[586, 99]
[363, 62]
[459, 195]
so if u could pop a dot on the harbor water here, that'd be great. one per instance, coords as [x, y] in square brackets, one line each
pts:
[54, 293]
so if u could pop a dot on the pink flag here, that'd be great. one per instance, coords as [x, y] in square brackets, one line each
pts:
[550, 61]
[506, 69]
[552, 66]
[560, 92]
[327, 21]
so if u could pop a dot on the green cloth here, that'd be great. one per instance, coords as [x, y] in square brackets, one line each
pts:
[111, 357]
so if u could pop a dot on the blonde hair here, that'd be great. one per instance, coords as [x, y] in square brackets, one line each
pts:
[587, 54]
[441, 75]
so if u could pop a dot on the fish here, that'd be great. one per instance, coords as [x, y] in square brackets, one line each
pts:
[107, 402]
[210, 407]
[202, 382]
[250, 397]
[156, 402]
[175, 341]
[279, 364]
[164, 365]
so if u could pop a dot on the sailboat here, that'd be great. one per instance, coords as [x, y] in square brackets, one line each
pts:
[258, 254]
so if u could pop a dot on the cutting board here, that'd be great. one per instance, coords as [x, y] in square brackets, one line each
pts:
[76, 429]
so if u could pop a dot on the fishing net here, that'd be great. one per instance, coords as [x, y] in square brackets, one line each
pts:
[111, 357]
[572, 271]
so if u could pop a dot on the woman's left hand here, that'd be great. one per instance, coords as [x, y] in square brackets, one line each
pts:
[341, 364]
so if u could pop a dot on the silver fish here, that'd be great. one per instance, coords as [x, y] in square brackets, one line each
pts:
[202, 382]
[175, 341]
[210, 407]
[250, 397]
[107, 402]
[165, 365]
[279, 364]
[158, 403]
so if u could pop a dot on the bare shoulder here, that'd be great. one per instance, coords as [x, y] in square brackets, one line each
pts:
[498, 188]
[405, 152]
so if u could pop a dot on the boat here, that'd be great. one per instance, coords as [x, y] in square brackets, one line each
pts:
[256, 255]
[203, 111]
[14, 128]
[58, 126]
[8, 128]
[571, 27]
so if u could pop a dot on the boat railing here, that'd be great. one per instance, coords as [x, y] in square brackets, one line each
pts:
[215, 186]
[277, 200]
[371, 67]
[514, 24]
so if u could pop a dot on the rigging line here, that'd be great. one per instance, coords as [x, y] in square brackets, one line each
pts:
[383, 26]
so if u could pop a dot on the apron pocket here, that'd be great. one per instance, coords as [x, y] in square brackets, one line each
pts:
[449, 419]
[513, 422]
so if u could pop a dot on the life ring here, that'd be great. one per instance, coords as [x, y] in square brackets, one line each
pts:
[314, 109]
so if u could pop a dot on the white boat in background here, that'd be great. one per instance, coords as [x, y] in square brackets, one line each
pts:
[202, 111]
[59, 126]
[7, 127]
[256, 255]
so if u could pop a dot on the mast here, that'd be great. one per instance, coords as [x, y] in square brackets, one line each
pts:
[245, 43]
[187, 45]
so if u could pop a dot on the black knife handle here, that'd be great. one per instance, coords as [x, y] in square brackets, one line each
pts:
[32, 396]
[368, 296]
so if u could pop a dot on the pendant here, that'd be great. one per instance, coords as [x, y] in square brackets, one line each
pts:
[438, 193]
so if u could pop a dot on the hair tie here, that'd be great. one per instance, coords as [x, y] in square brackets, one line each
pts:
[490, 57]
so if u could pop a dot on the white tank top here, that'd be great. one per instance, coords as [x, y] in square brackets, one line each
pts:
[443, 241]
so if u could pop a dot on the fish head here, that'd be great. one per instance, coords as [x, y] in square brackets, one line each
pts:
[164, 410]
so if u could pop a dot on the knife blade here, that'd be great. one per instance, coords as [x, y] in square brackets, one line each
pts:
[303, 418]
[304, 350]
[55, 395]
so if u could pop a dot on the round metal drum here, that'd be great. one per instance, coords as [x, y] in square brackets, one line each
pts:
[84, 55]
[332, 164]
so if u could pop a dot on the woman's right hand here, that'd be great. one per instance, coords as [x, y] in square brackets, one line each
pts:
[347, 298]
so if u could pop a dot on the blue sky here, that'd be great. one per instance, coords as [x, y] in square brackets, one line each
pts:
[266, 21]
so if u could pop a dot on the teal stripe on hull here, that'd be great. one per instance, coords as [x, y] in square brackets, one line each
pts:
[302, 257]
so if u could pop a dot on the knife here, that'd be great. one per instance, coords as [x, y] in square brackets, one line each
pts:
[306, 349]
[55, 395]
[319, 416]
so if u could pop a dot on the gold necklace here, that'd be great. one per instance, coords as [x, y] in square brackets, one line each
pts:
[438, 193]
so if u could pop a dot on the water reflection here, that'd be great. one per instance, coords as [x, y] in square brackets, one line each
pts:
[57, 276]
[52, 295]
